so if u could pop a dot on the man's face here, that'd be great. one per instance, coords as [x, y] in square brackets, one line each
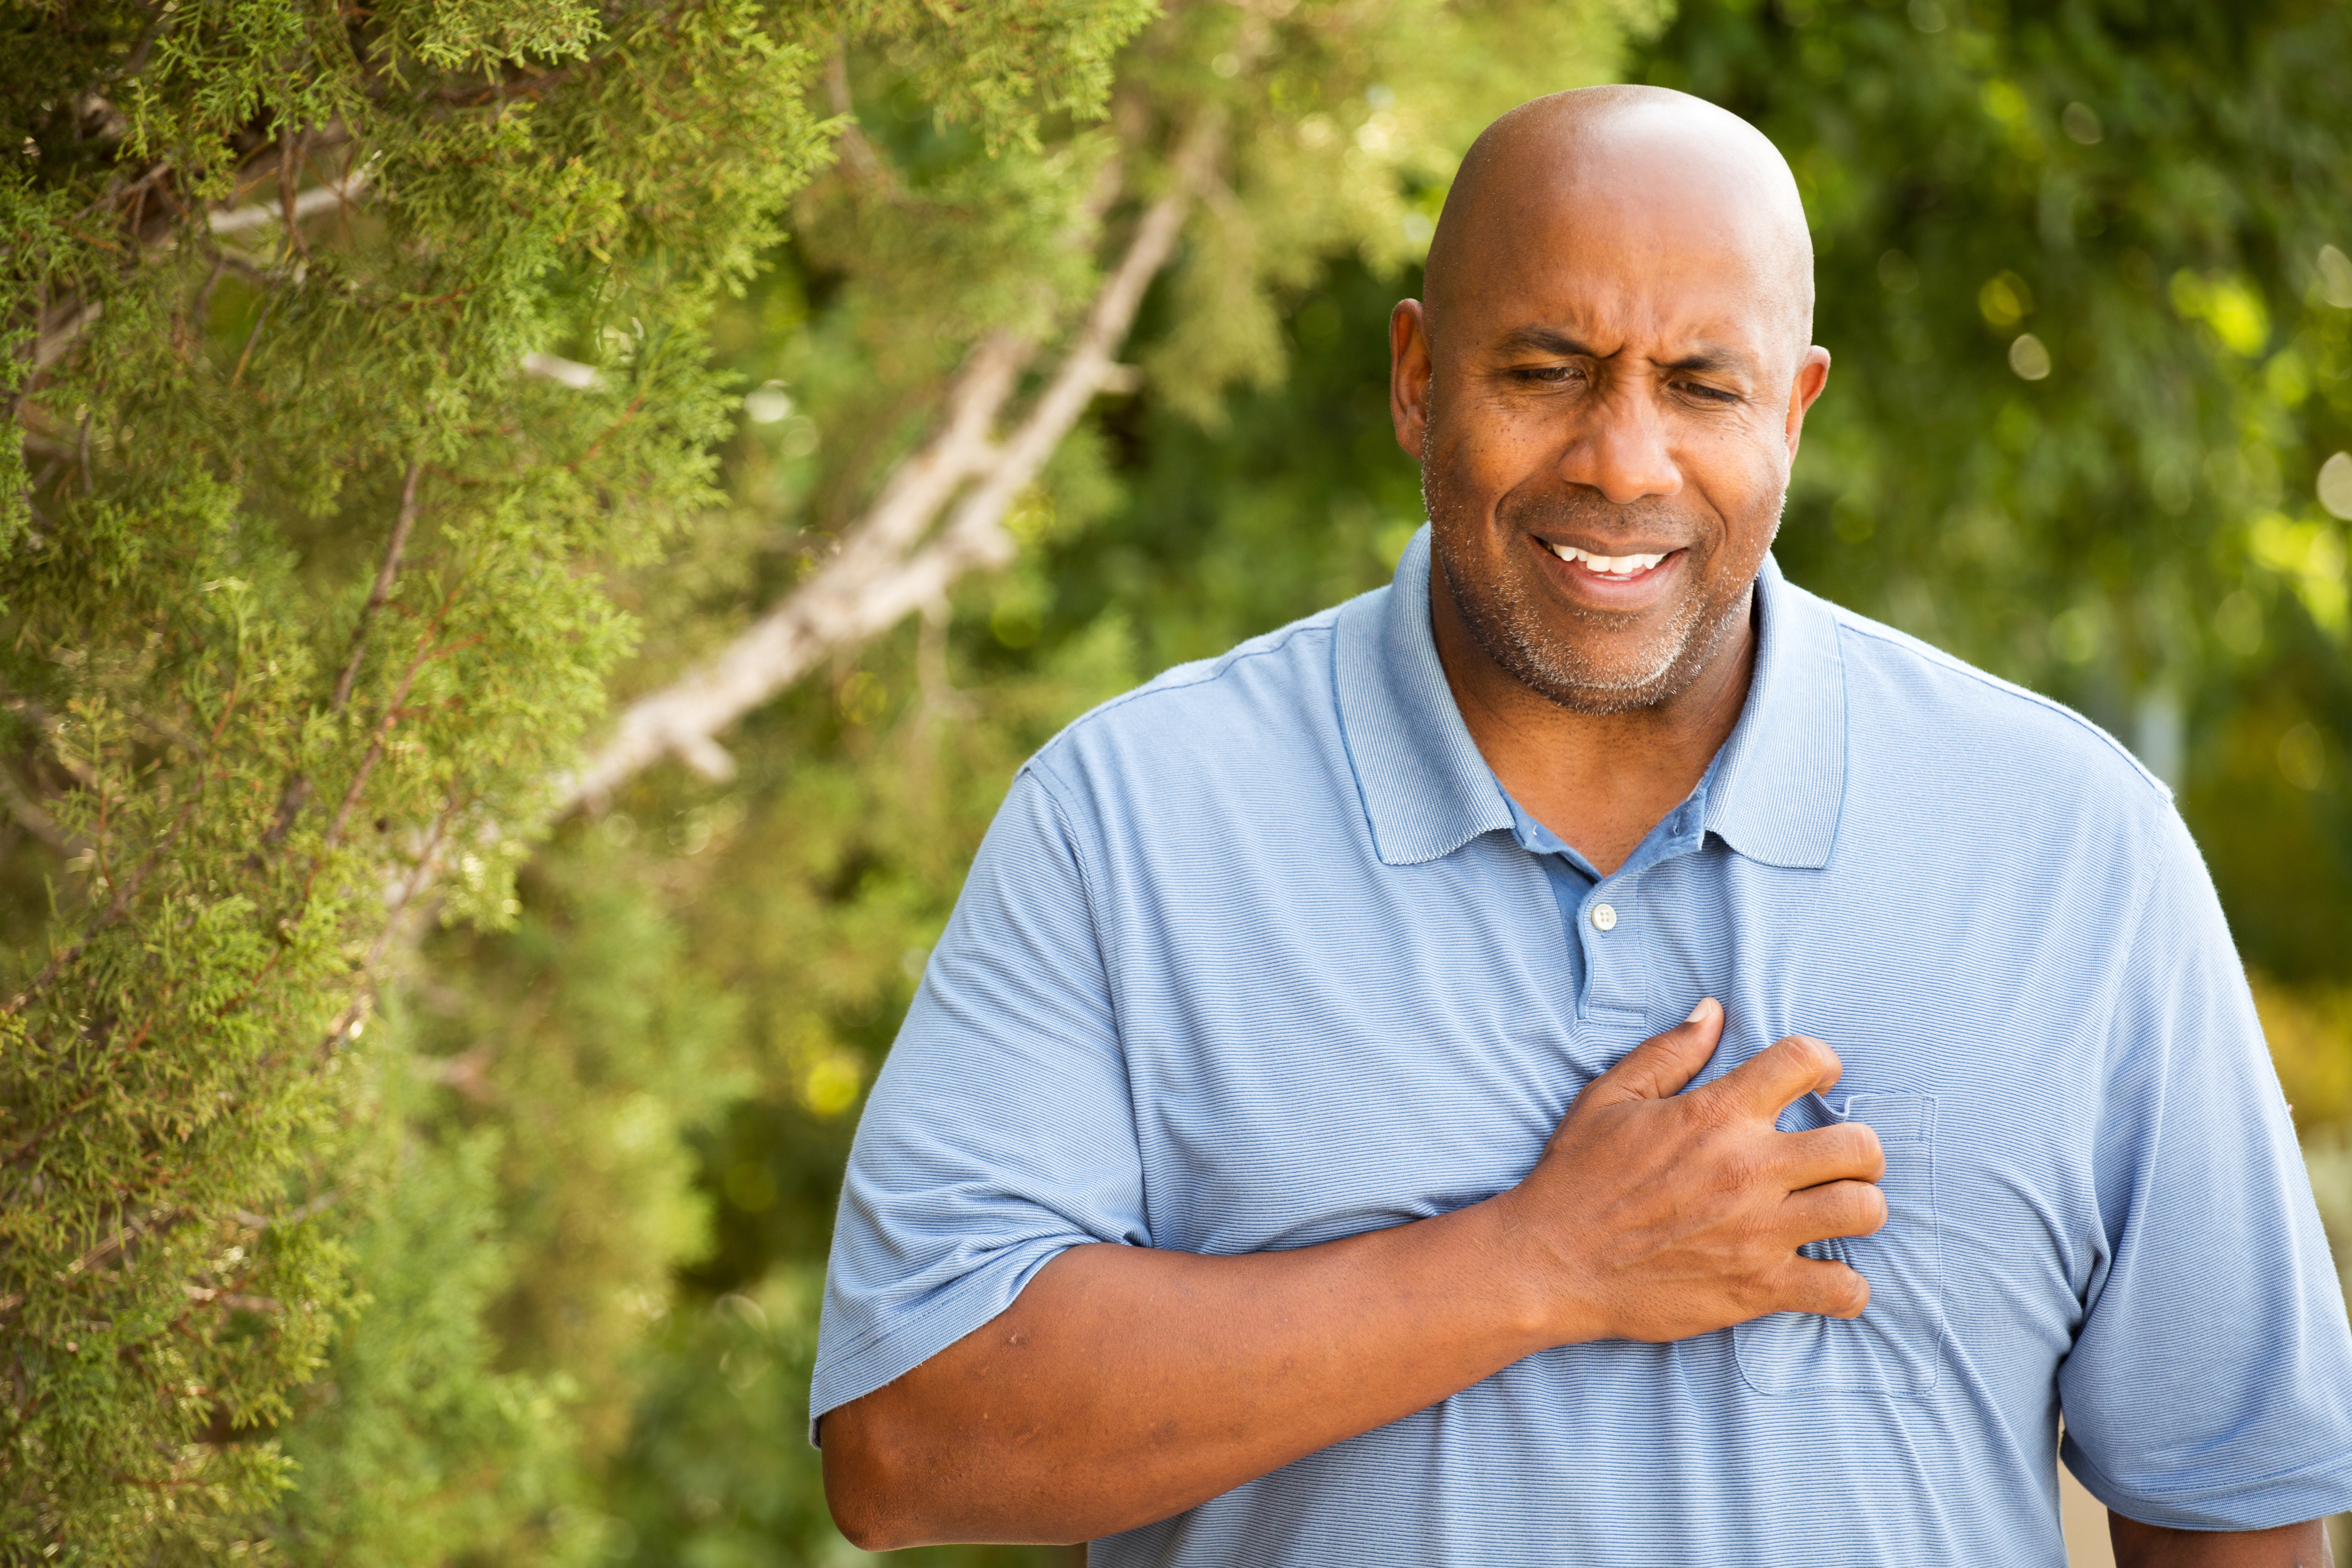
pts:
[1612, 393]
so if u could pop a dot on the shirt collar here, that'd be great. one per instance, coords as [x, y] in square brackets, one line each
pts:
[1775, 790]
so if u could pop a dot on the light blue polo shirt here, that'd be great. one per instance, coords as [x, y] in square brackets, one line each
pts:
[1260, 955]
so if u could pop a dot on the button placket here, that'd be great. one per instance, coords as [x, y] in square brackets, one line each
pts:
[1616, 983]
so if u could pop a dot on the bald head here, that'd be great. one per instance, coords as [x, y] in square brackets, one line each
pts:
[1650, 169]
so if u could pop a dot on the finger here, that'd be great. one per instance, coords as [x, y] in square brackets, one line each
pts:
[1832, 1290]
[1849, 1151]
[1764, 1084]
[1838, 1208]
[1661, 1065]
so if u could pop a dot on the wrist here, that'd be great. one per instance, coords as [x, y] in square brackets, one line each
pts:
[1539, 1292]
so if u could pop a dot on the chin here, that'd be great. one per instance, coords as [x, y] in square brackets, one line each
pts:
[1591, 668]
[1604, 698]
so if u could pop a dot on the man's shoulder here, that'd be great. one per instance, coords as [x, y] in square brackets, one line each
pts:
[1917, 699]
[1259, 700]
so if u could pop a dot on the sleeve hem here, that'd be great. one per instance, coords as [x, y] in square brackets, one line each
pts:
[888, 1351]
[2290, 1497]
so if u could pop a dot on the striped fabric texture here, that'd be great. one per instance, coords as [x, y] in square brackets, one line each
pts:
[1260, 955]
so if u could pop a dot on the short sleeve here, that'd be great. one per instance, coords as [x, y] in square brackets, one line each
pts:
[1000, 1131]
[2210, 1383]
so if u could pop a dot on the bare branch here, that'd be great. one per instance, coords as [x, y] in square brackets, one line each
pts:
[566, 372]
[290, 147]
[303, 205]
[1089, 364]
[31, 818]
[72, 316]
[203, 1296]
[385, 575]
[873, 581]
[157, 1220]
[319, 1205]
[858, 154]
[53, 342]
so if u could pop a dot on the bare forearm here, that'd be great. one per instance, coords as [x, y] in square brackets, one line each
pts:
[2141, 1546]
[1126, 1384]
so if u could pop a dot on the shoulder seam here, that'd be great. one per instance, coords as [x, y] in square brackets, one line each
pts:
[1862, 627]
[1160, 685]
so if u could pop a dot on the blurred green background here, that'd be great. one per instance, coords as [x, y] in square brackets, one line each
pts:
[2085, 270]
[2090, 358]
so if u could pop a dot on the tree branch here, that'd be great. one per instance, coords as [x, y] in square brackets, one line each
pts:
[385, 575]
[319, 1205]
[293, 208]
[75, 316]
[877, 576]
[31, 818]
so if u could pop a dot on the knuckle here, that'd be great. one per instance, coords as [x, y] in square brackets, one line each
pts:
[1759, 1239]
[1812, 1055]
[1736, 1169]
[1874, 1213]
[1800, 1051]
[1856, 1208]
[1706, 1115]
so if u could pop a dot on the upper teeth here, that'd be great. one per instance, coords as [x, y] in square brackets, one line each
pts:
[1614, 566]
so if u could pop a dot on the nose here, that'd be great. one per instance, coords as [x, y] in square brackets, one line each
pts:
[1622, 451]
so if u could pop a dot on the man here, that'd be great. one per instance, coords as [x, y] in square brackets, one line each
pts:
[1588, 1054]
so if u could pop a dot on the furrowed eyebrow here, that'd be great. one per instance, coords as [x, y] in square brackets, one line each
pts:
[1544, 341]
[1708, 359]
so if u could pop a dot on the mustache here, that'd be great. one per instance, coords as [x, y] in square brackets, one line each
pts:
[1589, 512]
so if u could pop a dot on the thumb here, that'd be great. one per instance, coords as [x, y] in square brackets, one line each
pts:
[1660, 1066]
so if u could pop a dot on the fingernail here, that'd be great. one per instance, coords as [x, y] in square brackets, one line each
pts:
[1700, 1011]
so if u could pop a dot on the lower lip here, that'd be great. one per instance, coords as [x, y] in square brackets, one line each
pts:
[1634, 591]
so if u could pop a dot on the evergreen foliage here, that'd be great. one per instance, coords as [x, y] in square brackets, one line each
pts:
[306, 604]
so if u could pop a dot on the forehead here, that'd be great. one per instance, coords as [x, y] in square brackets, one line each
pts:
[1638, 228]
[1622, 266]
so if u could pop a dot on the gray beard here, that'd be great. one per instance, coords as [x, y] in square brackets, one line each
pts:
[1504, 621]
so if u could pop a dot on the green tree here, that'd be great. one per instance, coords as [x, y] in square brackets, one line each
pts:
[352, 353]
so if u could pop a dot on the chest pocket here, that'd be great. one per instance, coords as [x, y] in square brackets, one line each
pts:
[1896, 1345]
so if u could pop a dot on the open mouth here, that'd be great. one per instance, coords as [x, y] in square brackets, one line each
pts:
[1614, 568]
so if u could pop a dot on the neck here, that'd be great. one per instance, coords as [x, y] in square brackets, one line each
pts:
[1600, 780]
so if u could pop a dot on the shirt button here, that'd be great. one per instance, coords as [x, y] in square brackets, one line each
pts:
[1604, 917]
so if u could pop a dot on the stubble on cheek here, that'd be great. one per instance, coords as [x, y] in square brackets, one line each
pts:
[1586, 661]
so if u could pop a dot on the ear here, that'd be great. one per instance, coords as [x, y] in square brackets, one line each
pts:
[1813, 374]
[1409, 370]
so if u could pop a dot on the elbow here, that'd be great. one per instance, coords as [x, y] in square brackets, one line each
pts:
[867, 1495]
[861, 1525]
[892, 1480]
